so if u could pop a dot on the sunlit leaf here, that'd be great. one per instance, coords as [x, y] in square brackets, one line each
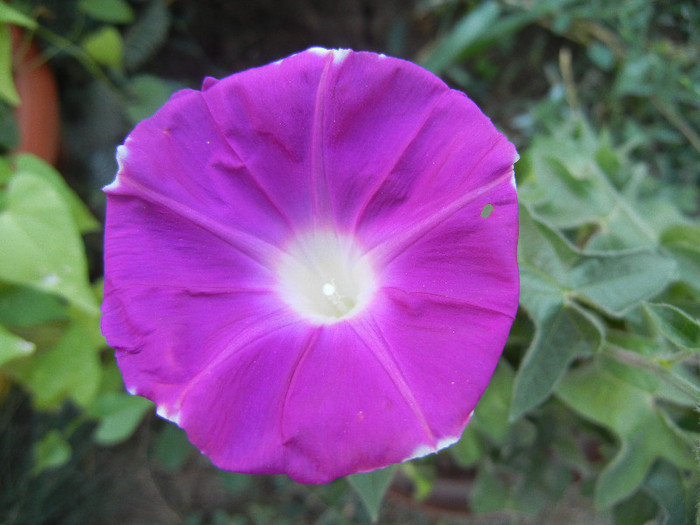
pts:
[105, 46]
[69, 370]
[27, 163]
[12, 346]
[42, 246]
[10, 15]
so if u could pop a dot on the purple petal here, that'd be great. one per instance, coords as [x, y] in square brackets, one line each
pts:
[297, 267]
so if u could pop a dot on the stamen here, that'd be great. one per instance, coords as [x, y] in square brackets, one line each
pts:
[325, 277]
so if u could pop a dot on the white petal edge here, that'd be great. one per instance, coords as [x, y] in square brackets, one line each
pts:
[122, 154]
[163, 412]
[338, 54]
[426, 450]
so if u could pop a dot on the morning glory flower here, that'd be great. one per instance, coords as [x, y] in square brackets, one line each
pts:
[311, 266]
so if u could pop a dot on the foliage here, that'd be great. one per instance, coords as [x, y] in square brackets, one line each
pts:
[599, 387]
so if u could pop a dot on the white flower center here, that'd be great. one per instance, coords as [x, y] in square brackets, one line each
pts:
[325, 277]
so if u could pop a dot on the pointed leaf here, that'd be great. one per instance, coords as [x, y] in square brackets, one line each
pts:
[619, 281]
[371, 487]
[469, 448]
[665, 484]
[70, 369]
[22, 306]
[27, 163]
[677, 326]
[50, 452]
[491, 414]
[7, 83]
[570, 188]
[172, 448]
[105, 46]
[683, 241]
[13, 346]
[567, 334]
[553, 271]
[465, 33]
[118, 414]
[544, 260]
[42, 246]
[10, 15]
[643, 428]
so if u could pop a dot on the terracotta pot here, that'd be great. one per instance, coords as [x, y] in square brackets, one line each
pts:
[38, 113]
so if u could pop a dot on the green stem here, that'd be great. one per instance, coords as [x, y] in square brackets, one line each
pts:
[63, 44]
[639, 361]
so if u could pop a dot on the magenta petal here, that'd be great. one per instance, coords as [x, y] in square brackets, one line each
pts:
[294, 406]
[311, 266]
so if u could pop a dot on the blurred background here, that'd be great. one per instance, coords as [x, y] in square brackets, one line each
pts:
[592, 415]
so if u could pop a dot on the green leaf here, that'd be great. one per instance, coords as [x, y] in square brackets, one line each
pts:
[616, 282]
[9, 129]
[422, 476]
[554, 275]
[42, 246]
[489, 493]
[110, 11]
[105, 46]
[28, 163]
[7, 84]
[683, 241]
[491, 414]
[21, 306]
[553, 272]
[651, 365]
[465, 33]
[235, 483]
[677, 326]
[562, 337]
[639, 509]
[10, 15]
[119, 415]
[371, 487]
[645, 431]
[149, 93]
[50, 452]
[12, 346]
[172, 448]
[570, 187]
[665, 484]
[469, 448]
[70, 369]
[544, 259]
